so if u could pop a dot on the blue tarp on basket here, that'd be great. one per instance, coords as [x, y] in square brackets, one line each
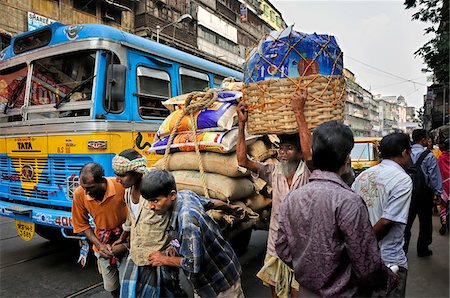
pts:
[288, 53]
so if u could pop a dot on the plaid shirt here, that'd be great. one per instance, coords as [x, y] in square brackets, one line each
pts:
[207, 259]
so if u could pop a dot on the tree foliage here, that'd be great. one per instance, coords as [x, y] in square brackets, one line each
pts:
[436, 51]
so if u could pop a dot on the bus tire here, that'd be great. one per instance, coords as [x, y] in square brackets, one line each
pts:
[49, 233]
[240, 242]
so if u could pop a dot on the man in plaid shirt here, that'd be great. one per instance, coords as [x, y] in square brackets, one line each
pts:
[207, 259]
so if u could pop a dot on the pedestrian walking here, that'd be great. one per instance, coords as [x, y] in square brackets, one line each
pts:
[147, 233]
[386, 189]
[292, 172]
[444, 168]
[208, 261]
[427, 183]
[103, 199]
[325, 232]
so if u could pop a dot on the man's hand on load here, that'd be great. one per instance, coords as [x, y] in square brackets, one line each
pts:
[298, 100]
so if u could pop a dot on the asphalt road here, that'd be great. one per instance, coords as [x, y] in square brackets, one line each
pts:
[40, 268]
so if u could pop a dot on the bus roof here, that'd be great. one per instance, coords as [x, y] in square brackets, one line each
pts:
[63, 33]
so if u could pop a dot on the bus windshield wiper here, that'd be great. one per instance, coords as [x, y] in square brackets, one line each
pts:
[77, 88]
[15, 95]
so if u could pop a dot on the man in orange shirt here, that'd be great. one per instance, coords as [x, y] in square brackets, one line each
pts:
[103, 199]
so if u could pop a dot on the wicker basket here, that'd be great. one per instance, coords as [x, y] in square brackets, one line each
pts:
[269, 103]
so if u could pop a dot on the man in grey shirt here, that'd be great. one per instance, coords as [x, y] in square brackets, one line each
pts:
[325, 233]
[422, 199]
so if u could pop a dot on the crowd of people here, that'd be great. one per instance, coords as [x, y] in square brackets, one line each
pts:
[330, 234]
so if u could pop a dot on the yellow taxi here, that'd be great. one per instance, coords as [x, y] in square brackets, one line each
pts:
[365, 153]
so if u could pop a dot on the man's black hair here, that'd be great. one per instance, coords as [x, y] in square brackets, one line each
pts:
[157, 183]
[131, 154]
[394, 144]
[293, 139]
[94, 169]
[419, 134]
[332, 143]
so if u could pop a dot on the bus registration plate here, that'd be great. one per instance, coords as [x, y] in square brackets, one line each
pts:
[25, 229]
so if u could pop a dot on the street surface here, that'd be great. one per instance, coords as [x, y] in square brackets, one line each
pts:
[39, 268]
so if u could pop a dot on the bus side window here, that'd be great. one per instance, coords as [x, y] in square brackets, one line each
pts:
[12, 92]
[218, 80]
[192, 80]
[153, 87]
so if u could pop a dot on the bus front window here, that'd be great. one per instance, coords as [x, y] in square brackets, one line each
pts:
[61, 81]
[12, 92]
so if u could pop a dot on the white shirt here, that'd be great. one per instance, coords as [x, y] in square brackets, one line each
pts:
[134, 208]
[386, 189]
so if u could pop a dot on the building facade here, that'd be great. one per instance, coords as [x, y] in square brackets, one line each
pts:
[436, 106]
[219, 30]
[20, 16]
[395, 115]
[360, 110]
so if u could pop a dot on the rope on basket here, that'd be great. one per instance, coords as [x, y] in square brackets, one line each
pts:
[195, 102]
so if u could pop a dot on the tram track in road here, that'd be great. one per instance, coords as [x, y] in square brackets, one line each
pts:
[25, 260]
[84, 290]
[7, 238]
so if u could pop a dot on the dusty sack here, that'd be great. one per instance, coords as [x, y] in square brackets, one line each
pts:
[258, 202]
[219, 186]
[224, 164]
[260, 151]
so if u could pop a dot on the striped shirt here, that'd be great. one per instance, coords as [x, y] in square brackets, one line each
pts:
[207, 259]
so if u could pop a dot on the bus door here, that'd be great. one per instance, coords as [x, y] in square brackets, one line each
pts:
[152, 81]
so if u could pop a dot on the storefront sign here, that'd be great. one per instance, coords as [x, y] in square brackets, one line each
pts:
[36, 21]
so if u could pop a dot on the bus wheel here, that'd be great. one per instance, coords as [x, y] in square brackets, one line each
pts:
[49, 233]
[240, 242]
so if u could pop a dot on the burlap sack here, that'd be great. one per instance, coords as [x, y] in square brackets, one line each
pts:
[258, 202]
[219, 186]
[260, 151]
[224, 164]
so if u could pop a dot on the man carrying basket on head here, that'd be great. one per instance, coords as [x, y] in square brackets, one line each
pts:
[291, 173]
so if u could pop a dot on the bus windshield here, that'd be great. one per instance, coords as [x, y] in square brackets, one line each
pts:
[61, 86]
[363, 151]
[65, 78]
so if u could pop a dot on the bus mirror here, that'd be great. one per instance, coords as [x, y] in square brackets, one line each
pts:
[115, 88]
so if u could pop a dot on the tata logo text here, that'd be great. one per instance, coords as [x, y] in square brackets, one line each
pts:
[97, 144]
[24, 145]
[27, 172]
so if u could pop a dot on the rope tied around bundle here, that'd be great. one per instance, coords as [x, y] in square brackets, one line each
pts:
[282, 64]
[194, 103]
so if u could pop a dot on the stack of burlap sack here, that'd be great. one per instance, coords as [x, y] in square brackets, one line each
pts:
[216, 136]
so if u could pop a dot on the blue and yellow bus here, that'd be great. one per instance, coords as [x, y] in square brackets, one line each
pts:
[70, 95]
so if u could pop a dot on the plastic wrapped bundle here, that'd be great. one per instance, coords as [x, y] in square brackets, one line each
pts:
[287, 61]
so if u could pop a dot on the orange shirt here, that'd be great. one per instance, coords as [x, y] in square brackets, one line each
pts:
[111, 212]
[437, 153]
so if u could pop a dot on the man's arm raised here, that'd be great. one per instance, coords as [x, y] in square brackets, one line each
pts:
[241, 146]
[298, 106]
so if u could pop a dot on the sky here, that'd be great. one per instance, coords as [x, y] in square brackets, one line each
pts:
[378, 39]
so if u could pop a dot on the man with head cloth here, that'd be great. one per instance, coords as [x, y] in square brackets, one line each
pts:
[147, 234]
